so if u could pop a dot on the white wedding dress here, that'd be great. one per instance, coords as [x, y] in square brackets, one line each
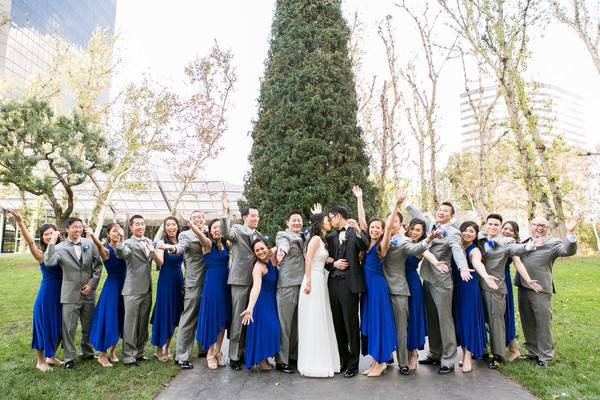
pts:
[317, 346]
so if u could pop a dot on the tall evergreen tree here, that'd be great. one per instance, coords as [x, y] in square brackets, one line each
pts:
[307, 146]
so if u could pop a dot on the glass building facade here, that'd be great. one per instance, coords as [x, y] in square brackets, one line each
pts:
[25, 41]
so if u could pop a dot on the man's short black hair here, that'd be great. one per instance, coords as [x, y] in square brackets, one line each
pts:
[494, 216]
[246, 210]
[339, 209]
[69, 221]
[136, 216]
[448, 204]
[294, 212]
[399, 215]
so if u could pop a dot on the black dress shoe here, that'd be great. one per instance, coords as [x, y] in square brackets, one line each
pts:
[141, 359]
[184, 364]
[445, 370]
[88, 357]
[284, 368]
[70, 364]
[132, 364]
[429, 361]
[235, 365]
[492, 364]
[529, 357]
[543, 364]
[350, 373]
[404, 370]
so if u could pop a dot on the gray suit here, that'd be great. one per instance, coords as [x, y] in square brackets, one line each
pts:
[535, 309]
[77, 272]
[437, 290]
[496, 257]
[240, 279]
[191, 248]
[137, 297]
[291, 273]
[394, 271]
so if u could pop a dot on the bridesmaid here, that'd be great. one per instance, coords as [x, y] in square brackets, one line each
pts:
[263, 334]
[467, 303]
[107, 322]
[511, 229]
[417, 320]
[169, 292]
[378, 329]
[215, 302]
[47, 319]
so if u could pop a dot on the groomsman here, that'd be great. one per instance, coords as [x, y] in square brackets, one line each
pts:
[345, 283]
[240, 273]
[535, 309]
[137, 252]
[437, 288]
[191, 248]
[81, 264]
[497, 249]
[290, 256]
[394, 271]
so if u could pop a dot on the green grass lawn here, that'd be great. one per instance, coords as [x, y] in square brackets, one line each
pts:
[575, 372]
[19, 282]
[573, 375]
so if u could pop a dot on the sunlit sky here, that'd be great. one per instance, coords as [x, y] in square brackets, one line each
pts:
[158, 39]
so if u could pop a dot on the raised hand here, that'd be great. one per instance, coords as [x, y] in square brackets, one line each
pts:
[121, 233]
[354, 225]
[15, 214]
[55, 236]
[434, 235]
[185, 218]
[535, 286]
[88, 230]
[246, 317]
[400, 198]
[316, 208]
[225, 203]
[357, 191]
[465, 274]
[572, 224]
[150, 246]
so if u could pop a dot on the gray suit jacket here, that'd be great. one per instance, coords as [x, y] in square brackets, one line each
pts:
[291, 269]
[395, 262]
[539, 263]
[242, 256]
[76, 272]
[445, 249]
[191, 248]
[138, 279]
[496, 258]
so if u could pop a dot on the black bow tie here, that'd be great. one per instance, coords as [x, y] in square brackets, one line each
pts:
[76, 244]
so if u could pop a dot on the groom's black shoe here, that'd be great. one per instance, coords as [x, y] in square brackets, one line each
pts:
[70, 364]
[445, 370]
[184, 364]
[283, 367]
[235, 365]
[142, 359]
[404, 370]
[350, 373]
[429, 361]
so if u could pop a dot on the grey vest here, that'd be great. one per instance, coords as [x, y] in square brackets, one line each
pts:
[191, 248]
[291, 269]
[242, 256]
[395, 263]
[138, 279]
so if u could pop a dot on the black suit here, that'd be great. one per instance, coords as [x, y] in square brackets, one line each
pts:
[344, 290]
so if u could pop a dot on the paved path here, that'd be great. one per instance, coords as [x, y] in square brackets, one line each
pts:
[224, 383]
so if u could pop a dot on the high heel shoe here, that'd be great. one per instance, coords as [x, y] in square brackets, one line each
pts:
[211, 361]
[368, 370]
[220, 360]
[377, 371]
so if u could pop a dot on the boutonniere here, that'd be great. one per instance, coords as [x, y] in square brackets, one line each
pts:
[266, 238]
[394, 242]
[85, 247]
[342, 237]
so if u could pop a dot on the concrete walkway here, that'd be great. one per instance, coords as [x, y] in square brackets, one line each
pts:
[224, 383]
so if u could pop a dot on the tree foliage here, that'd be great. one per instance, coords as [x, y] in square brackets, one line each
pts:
[307, 146]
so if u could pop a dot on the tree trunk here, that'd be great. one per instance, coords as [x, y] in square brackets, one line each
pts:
[596, 235]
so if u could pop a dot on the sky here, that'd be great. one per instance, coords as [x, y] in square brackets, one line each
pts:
[158, 39]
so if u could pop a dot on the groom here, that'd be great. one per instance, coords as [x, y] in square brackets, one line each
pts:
[345, 284]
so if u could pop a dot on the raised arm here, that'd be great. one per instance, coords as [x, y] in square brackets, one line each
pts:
[257, 274]
[362, 217]
[477, 263]
[387, 233]
[102, 251]
[522, 271]
[122, 251]
[416, 213]
[35, 251]
[158, 255]
[312, 248]
[51, 257]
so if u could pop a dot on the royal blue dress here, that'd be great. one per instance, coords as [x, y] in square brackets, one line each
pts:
[107, 322]
[417, 321]
[467, 308]
[509, 314]
[377, 326]
[169, 300]
[47, 315]
[215, 303]
[262, 336]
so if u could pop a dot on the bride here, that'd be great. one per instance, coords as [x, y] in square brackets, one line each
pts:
[317, 346]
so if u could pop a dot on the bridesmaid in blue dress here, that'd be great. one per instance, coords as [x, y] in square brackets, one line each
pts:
[417, 321]
[467, 304]
[215, 302]
[169, 292]
[378, 328]
[107, 323]
[47, 315]
[263, 334]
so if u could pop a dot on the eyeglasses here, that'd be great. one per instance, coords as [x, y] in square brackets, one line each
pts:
[544, 226]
